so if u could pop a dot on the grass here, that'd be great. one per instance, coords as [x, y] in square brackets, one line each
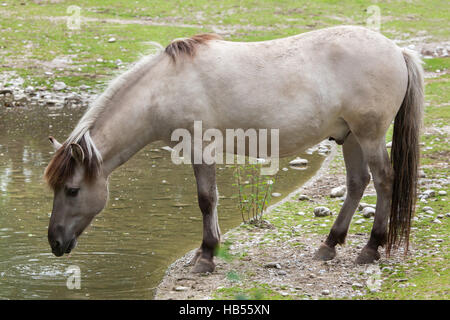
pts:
[38, 29]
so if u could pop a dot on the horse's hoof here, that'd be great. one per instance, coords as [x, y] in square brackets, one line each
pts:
[368, 255]
[325, 253]
[203, 265]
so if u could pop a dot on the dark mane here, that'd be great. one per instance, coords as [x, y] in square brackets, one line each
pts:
[62, 166]
[188, 46]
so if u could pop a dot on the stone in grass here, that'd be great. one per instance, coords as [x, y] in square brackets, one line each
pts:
[428, 194]
[274, 265]
[437, 221]
[322, 212]
[362, 205]
[303, 197]
[368, 212]
[338, 192]
[442, 193]
[58, 86]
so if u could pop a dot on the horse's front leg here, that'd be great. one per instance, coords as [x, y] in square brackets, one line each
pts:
[207, 200]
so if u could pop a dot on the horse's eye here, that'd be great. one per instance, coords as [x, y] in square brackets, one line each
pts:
[72, 192]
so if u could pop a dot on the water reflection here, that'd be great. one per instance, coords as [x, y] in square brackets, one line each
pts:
[151, 219]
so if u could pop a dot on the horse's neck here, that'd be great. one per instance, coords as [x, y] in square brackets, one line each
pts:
[128, 123]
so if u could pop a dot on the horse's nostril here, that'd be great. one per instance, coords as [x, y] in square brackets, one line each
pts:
[57, 244]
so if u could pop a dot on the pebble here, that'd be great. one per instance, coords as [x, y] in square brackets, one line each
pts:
[437, 221]
[303, 197]
[276, 194]
[442, 193]
[368, 212]
[298, 162]
[338, 191]
[58, 86]
[322, 212]
[282, 273]
[275, 265]
[181, 288]
[325, 292]
[112, 40]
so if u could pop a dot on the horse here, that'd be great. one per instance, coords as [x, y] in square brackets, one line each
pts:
[343, 83]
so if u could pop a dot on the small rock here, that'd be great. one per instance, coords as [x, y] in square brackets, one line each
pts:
[363, 205]
[440, 216]
[58, 86]
[442, 193]
[437, 221]
[429, 193]
[282, 273]
[21, 100]
[112, 40]
[426, 208]
[325, 292]
[181, 288]
[422, 174]
[389, 144]
[338, 192]
[275, 265]
[303, 197]
[322, 212]
[357, 285]
[368, 212]
[298, 162]
[276, 194]
[29, 90]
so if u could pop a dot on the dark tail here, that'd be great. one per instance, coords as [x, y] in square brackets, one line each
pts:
[405, 155]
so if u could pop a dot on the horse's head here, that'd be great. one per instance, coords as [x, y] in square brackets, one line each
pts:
[80, 192]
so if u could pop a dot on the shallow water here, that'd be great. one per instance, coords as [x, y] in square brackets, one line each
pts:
[146, 226]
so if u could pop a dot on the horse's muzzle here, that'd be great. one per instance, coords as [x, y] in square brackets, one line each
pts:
[60, 247]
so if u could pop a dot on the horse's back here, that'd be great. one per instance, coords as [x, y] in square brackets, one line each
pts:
[306, 85]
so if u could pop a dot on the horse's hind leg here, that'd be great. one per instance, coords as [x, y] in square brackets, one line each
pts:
[207, 200]
[376, 153]
[357, 179]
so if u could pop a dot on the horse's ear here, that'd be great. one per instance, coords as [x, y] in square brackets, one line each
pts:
[77, 152]
[56, 145]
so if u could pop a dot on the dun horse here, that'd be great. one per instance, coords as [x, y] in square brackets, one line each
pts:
[342, 83]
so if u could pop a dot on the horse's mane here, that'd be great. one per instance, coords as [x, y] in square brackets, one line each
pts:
[62, 166]
[188, 46]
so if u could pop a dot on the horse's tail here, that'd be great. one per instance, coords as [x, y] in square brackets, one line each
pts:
[405, 155]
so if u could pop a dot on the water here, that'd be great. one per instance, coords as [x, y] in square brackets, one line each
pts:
[146, 226]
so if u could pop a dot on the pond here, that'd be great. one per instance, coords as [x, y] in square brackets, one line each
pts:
[152, 217]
